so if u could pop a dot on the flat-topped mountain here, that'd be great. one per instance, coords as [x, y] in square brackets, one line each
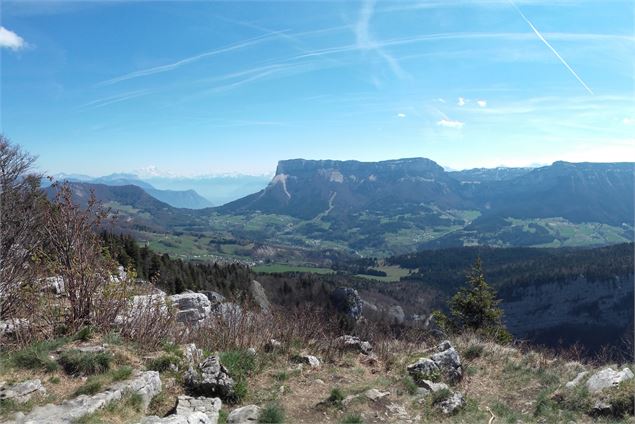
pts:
[306, 188]
[580, 192]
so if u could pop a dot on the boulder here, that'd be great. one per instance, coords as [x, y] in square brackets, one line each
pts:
[347, 301]
[193, 355]
[355, 343]
[141, 306]
[607, 378]
[191, 307]
[375, 395]
[452, 404]
[209, 378]
[601, 408]
[54, 284]
[187, 405]
[215, 298]
[228, 312]
[193, 418]
[396, 314]
[259, 295]
[272, 345]
[14, 325]
[246, 415]
[21, 392]
[146, 384]
[310, 360]
[445, 363]
[577, 380]
[427, 386]
[423, 369]
[448, 361]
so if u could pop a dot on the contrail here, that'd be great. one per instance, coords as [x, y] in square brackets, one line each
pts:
[164, 68]
[564, 62]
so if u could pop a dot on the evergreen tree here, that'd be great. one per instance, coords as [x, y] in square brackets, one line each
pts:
[476, 308]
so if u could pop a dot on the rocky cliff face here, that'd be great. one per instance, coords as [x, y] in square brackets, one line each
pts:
[596, 313]
[308, 188]
[580, 192]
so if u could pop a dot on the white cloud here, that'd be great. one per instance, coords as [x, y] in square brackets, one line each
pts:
[401, 115]
[481, 103]
[461, 101]
[11, 40]
[629, 121]
[449, 123]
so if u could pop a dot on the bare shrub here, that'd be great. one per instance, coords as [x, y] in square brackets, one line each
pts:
[73, 251]
[242, 328]
[20, 219]
[149, 321]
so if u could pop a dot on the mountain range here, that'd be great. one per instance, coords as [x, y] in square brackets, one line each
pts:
[181, 192]
[398, 206]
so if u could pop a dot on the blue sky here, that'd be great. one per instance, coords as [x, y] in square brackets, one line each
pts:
[215, 87]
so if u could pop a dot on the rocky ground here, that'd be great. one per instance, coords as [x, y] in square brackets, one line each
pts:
[103, 380]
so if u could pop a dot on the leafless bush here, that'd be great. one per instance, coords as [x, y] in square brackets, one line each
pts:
[241, 328]
[20, 219]
[149, 322]
[73, 251]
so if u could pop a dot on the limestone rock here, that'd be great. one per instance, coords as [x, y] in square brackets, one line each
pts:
[209, 406]
[355, 343]
[214, 297]
[259, 295]
[396, 314]
[146, 384]
[21, 392]
[310, 360]
[452, 404]
[143, 306]
[245, 415]
[577, 380]
[272, 345]
[601, 408]
[427, 386]
[347, 301]
[423, 369]
[193, 355]
[191, 307]
[375, 395]
[193, 418]
[448, 361]
[606, 378]
[210, 378]
[13, 326]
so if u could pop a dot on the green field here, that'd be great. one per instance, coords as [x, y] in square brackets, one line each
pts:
[393, 273]
[272, 268]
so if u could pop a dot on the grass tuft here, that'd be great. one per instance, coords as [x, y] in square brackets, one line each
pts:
[336, 397]
[241, 365]
[352, 419]
[473, 351]
[121, 374]
[75, 362]
[163, 363]
[272, 413]
[91, 387]
[36, 356]
[84, 334]
[410, 385]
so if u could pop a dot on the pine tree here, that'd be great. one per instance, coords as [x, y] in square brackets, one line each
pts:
[476, 308]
